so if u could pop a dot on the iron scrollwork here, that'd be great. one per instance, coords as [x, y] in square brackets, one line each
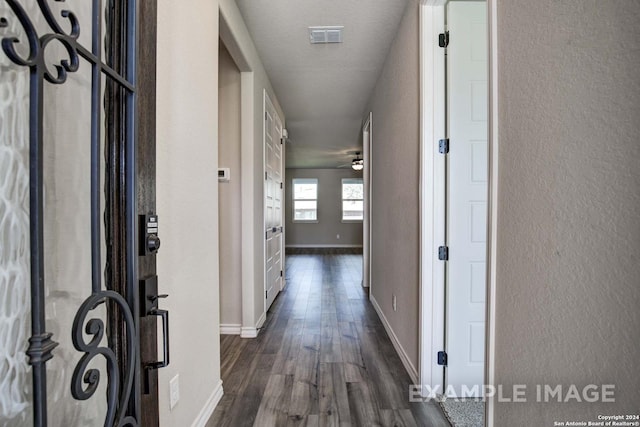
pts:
[91, 377]
[41, 344]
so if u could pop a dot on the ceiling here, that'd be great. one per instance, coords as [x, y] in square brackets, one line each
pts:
[322, 88]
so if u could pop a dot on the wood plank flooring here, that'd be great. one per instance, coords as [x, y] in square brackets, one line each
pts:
[323, 358]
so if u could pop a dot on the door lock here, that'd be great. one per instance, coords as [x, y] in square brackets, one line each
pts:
[149, 240]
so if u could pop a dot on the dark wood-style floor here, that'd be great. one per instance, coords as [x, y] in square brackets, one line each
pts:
[322, 358]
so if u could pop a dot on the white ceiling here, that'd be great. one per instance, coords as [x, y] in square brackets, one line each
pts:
[322, 88]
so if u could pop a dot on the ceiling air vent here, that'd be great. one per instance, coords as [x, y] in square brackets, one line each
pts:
[325, 34]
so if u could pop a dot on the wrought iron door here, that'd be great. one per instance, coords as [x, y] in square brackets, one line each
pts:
[88, 247]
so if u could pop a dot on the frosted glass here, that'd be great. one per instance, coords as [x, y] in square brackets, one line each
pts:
[15, 325]
[67, 230]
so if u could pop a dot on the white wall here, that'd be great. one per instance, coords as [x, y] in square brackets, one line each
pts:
[187, 199]
[568, 249]
[329, 225]
[230, 203]
[254, 81]
[396, 174]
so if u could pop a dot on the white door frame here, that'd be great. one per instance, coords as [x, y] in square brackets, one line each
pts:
[366, 223]
[492, 206]
[432, 195]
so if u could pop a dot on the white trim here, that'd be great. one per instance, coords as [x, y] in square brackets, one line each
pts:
[432, 197]
[248, 332]
[247, 153]
[209, 406]
[433, 3]
[261, 320]
[230, 329]
[367, 132]
[492, 213]
[252, 331]
[323, 246]
[411, 370]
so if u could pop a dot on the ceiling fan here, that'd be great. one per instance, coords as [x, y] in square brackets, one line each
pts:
[356, 164]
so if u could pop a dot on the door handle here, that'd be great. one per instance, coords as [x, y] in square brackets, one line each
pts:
[164, 315]
[149, 298]
[148, 367]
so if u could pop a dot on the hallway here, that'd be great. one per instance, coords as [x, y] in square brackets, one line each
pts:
[323, 358]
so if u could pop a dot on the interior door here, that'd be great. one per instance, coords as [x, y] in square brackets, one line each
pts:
[466, 193]
[273, 202]
[79, 127]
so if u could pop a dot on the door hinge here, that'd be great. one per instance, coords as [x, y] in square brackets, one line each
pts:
[443, 146]
[281, 186]
[265, 176]
[265, 115]
[266, 235]
[281, 141]
[281, 273]
[442, 358]
[443, 253]
[443, 39]
[266, 294]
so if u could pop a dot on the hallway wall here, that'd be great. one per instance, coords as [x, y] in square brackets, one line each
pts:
[396, 174]
[323, 233]
[187, 200]
[255, 81]
[569, 196]
[230, 205]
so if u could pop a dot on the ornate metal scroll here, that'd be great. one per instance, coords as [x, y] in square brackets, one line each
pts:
[116, 415]
[121, 411]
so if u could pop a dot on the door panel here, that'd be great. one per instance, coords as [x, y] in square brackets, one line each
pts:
[74, 148]
[467, 193]
[146, 199]
[273, 202]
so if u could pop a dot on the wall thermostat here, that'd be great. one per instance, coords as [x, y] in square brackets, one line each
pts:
[224, 174]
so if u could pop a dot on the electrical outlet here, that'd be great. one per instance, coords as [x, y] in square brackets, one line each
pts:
[174, 391]
[395, 303]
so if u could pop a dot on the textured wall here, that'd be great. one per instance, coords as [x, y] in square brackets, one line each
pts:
[230, 204]
[568, 254]
[322, 233]
[254, 82]
[187, 197]
[396, 173]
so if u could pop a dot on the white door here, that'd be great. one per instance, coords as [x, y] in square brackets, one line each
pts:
[466, 193]
[273, 191]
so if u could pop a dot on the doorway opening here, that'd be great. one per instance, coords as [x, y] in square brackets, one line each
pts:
[229, 192]
[455, 178]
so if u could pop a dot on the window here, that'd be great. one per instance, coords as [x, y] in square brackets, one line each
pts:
[352, 199]
[305, 200]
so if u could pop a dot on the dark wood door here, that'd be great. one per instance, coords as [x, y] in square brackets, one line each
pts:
[141, 188]
[146, 134]
[134, 275]
[111, 75]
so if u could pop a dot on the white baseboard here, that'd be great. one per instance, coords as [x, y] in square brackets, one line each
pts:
[230, 329]
[411, 370]
[252, 331]
[323, 246]
[209, 407]
[261, 320]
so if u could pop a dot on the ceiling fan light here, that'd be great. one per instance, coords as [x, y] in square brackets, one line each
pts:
[357, 164]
